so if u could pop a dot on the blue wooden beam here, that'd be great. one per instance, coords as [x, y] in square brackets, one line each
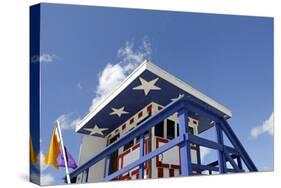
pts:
[204, 167]
[141, 166]
[238, 146]
[185, 156]
[194, 107]
[185, 139]
[204, 142]
[210, 168]
[229, 149]
[207, 113]
[198, 154]
[211, 144]
[221, 157]
[169, 110]
[232, 162]
[152, 154]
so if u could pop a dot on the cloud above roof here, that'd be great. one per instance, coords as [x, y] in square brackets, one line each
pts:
[114, 74]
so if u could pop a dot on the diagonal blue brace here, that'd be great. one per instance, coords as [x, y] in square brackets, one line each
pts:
[238, 146]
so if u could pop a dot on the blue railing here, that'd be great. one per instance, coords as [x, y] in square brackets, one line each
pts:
[182, 105]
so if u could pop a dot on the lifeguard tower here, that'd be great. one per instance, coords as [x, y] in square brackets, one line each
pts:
[150, 126]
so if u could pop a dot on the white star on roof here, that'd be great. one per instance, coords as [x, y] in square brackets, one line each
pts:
[96, 130]
[147, 86]
[180, 95]
[118, 111]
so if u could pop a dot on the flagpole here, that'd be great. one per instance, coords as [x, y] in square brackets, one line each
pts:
[64, 155]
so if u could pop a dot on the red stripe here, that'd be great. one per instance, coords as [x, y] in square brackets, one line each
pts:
[194, 170]
[135, 146]
[132, 121]
[140, 115]
[123, 126]
[134, 172]
[193, 147]
[159, 107]
[149, 108]
[160, 164]
[125, 177]
[160, 172]
[175, 166]
[171, 172]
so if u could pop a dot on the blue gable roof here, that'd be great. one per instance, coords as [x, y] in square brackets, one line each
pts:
[134, 100]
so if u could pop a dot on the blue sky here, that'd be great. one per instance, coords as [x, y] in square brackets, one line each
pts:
[228, 58]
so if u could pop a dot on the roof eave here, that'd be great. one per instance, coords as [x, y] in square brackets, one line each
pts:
[146, 65]
[113, 94]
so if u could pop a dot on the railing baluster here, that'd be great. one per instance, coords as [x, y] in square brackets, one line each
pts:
[198, 154]
[141, 166]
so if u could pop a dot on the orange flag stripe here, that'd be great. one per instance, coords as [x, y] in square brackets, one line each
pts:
[32, 155]
[54, 150]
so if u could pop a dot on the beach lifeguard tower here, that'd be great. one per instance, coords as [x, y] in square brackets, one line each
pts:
[149, 127]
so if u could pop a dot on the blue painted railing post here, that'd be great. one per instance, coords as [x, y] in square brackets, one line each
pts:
[185, 157]
[221, 157]
[107, 167]
[198, 154]
[141, 166]
[87, 178]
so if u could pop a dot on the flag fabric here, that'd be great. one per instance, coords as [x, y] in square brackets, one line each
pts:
[54, 150]
[32, 154]
[70, 161]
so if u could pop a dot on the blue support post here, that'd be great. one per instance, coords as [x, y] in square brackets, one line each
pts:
[141, 166]
[221, 157]
[87, 178]
[107, 167]
[198, 154]
[185, 156]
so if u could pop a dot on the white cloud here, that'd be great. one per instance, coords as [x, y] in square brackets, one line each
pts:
[68, 121]
[47, 179]
[267, 168]
[79, 86]
[41, 166]
[204, 152]
[113, 74]
[44, 58]
[43, 179]
[266, 127]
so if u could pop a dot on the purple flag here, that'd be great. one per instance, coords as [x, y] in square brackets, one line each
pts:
[70, 161]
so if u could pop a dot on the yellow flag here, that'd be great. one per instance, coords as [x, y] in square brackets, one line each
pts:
[54, 150]
[32, 154]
